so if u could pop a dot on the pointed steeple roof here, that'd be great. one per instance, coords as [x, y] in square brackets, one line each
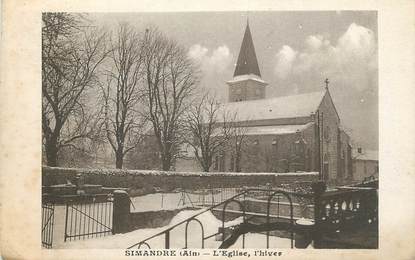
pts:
[247, 62]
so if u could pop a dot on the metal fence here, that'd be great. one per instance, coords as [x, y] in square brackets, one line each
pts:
[221, 192]
[88, 216]
[48, 215]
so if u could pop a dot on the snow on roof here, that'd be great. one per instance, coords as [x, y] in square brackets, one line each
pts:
[366, 155]
[273, 108]
[246, 77]
[274, 129]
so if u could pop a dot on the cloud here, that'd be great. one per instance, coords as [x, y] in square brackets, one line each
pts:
[353, 58]
[197, 52]
[211, 62]
[221, 58]
[315, 42]
[285, 59]
[215, 67]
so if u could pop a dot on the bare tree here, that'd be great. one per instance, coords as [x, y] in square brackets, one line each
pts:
[237, 141]
[71, 54]
[122, 94]
[170, 78]
[207, 136]
[78, 151]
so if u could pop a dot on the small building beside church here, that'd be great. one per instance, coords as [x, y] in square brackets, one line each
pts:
[365, 164]
[283, 134]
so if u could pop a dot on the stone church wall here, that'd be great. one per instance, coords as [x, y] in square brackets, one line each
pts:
[276, 153]
[344, 159]
[246, 90]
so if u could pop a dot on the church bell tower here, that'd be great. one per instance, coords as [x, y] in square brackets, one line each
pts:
[247, 83]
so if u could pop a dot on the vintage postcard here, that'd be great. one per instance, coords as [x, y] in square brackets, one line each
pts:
[215, 130]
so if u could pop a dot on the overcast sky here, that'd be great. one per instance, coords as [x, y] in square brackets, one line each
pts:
[296, 51]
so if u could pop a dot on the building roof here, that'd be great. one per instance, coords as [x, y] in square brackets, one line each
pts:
[301, 105]
[247, 62]
[271, 130]
[276, 129]
[366, 155]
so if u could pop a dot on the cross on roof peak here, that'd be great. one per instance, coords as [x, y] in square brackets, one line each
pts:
[327, 82]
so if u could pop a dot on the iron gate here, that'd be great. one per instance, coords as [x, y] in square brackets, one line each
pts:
[48, 215]
[88, 216]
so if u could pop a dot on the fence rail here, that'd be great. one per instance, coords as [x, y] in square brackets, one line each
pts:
[48, 216]
[220, 192]
[88, 216]
[342, 209]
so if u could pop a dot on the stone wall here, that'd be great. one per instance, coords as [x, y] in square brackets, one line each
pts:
[149, 181]
[246, 90]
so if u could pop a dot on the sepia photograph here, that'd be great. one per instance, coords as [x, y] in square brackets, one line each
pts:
[209, 130]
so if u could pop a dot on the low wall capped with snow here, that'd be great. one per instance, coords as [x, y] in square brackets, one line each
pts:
[149, 181]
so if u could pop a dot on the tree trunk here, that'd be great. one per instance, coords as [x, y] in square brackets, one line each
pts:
[238, 163]
[119, 159]
[51, 149]
[206, 163]
[166, 165]
[166, 162]
[205, 167]
[52, 156]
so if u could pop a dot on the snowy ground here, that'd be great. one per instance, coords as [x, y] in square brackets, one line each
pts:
[160, 201]
[177, 235]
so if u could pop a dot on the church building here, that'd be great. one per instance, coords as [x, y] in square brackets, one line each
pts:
[283, 134]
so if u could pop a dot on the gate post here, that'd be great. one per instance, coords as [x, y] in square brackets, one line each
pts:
[121, 212]
[318, 189]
